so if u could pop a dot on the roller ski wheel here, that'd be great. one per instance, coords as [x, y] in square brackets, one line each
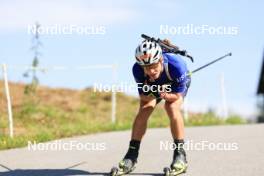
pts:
[166, 171]
[176, 169]
[114, 171]
[125, 167]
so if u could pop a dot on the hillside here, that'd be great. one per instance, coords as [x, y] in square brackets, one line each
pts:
[53, 113]
[58, 112]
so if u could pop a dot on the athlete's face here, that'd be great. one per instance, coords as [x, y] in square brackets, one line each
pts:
[154, 70]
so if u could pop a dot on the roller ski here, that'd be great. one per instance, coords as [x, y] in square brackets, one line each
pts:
[125, 167]
[177, 169]
[179, 164]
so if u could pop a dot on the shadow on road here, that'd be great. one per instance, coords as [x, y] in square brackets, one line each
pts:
[151, 174]
[60, 172]
[48, 172]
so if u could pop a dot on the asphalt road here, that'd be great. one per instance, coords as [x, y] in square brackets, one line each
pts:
[215, 150]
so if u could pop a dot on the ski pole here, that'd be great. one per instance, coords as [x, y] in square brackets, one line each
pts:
[210, 63]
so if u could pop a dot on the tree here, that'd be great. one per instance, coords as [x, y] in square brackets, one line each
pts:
[32, 71]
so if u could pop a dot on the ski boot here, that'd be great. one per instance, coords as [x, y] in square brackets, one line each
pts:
[178, 166]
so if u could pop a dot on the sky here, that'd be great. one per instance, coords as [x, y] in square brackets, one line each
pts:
[114, 33]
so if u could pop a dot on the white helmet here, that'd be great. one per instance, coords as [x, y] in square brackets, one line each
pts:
[148, 52]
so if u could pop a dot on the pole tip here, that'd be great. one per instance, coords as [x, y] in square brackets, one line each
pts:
[230, 54]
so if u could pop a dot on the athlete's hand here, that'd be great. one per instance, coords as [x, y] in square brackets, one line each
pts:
[163, 95]
[170, 97]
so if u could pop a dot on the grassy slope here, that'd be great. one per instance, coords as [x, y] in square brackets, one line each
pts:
[58, 113]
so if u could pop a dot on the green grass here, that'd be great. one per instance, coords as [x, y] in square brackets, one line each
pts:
[234, 120]
[210, 118]
[54, 114]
